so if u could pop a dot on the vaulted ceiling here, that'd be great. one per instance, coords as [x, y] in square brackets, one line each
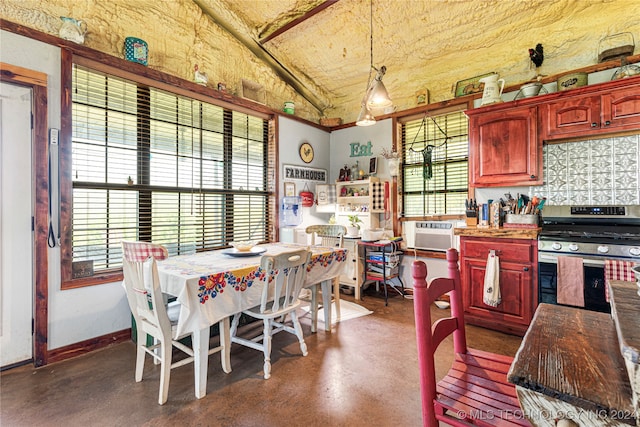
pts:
[322, 48]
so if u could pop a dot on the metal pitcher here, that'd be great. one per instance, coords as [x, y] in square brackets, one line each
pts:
[493, 87]
[73, 29]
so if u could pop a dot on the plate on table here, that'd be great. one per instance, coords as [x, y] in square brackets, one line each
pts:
[256, 250]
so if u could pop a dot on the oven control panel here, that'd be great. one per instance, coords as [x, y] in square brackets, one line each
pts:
[598, 210]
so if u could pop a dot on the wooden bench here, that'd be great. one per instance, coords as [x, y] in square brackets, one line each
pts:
[475, 391]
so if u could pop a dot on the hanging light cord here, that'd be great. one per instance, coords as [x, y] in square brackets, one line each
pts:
[364, 98]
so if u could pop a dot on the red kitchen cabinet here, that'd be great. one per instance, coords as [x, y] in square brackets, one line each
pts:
[504, 147]
[592, 114]
[621, 109]
[518, 283]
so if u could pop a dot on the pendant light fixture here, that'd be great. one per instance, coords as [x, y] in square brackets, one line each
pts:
[376, 95]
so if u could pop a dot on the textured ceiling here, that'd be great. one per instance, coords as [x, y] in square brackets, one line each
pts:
[425, 44]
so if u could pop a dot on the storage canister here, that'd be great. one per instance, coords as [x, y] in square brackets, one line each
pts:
[289, 107]
[573, 80]
[136, 50]
[307, 196]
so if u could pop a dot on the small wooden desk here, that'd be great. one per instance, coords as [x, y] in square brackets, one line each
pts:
[569, 365]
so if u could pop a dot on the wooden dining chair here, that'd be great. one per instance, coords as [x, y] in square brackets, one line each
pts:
[150, 314]
[282, 277]
[325, 235]
[475, 391]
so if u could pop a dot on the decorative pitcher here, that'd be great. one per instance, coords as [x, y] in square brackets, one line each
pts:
[493, 87]
[73, 29]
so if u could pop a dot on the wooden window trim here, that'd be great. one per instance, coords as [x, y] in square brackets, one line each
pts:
[157, 80]
[438, 109]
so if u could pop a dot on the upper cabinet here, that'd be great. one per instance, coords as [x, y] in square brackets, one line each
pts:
[588, 115]
[504, 147]
[505, 140]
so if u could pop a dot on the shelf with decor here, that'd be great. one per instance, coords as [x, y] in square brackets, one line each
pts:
[362, 198]
[364, 195]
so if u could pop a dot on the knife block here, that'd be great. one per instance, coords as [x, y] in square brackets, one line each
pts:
[472, 221]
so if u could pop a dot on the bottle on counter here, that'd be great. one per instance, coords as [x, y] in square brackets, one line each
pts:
[355, 172]
[495, 214]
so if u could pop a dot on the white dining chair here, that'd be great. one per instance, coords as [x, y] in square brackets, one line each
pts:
[325, 235]
[151, 316]
[282, 277]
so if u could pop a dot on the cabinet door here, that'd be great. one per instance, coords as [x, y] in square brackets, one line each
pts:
[350, 273]
[621, 109]
[504, 148]
[566, 118]
[513, 314]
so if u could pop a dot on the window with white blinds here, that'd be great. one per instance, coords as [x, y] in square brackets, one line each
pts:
[155, 166]
[435, 157]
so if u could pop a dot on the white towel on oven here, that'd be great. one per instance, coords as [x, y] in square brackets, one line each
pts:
[491, 294]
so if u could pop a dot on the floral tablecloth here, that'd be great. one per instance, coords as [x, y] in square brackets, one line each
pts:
[213, 285]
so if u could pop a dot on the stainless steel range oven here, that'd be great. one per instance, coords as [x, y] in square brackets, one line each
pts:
[593, 233]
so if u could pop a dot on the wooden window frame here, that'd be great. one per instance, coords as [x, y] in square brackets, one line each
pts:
[157, 80]
[438, 109]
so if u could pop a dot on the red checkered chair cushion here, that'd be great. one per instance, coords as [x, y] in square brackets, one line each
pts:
[141, 251]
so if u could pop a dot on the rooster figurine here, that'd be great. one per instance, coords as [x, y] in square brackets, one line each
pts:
[536, 55]
[200, 77]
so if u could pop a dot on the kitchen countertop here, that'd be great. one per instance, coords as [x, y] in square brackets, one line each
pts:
[504, 233]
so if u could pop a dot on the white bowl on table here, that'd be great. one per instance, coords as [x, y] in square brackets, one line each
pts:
[245, 245]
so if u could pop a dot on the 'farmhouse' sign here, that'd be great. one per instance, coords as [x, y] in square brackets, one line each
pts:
[305, 173]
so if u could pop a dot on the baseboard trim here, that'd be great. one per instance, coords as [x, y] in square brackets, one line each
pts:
[87, 346]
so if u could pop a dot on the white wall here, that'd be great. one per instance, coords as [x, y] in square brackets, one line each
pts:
[380, 135]
[77, 314]
[291, 134]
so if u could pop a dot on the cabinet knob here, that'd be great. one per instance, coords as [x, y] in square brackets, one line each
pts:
[594, 125]
[525, 269]
[607, 123]
[533, 177]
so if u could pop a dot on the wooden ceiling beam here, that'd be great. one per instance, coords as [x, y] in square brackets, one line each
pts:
[308, 93]
[297, 21]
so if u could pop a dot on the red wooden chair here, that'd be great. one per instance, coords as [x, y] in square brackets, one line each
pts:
[475, 391]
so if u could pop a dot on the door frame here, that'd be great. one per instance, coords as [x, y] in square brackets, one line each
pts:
[37, 81]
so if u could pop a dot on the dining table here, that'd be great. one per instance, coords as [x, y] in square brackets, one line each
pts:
[214, 285]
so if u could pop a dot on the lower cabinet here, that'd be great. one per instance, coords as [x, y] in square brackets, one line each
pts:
[518, 261]
[352, 273]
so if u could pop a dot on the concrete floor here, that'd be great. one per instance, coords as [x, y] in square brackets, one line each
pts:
[363, 373]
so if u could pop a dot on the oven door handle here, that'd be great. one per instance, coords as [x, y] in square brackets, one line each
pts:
[589, 262]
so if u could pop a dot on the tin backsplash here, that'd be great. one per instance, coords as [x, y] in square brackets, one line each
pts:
[593, 172]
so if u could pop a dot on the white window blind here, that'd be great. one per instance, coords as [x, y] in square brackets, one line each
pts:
[155, 166]
[435, 158]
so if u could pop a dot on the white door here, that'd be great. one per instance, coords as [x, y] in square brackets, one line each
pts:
[16, 249]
